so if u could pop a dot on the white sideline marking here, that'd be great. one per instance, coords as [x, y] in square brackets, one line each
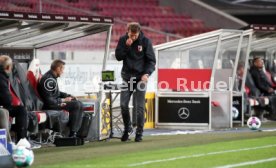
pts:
[248, 163]
[269, 130]
[178, 133]
[199, 155]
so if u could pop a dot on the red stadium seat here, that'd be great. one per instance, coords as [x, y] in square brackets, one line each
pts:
[147, 12]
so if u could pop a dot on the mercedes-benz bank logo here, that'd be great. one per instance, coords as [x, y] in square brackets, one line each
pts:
[183, 113]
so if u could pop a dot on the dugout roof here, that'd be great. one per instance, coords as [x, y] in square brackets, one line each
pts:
[264, 37]
[34, 30]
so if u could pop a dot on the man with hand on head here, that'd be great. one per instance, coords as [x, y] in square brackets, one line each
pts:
[56, 100]
[136, 52]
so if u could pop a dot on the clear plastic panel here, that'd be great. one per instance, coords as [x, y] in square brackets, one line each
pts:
[223, 76]
[240, 69]
[84, 61]
[187, 67]
[194, 55]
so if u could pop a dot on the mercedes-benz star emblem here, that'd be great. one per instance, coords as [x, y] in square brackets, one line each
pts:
[183, 113]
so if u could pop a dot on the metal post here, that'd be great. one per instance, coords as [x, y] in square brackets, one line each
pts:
[107, 44]
[167, 38]
[248, 50]
[40, 6]
[234, 74]
[211, 87]
[101, 93]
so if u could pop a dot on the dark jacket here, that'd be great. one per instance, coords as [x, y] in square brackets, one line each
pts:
[5, 95]
[249, 82]
[138, 59]
[49, 91]
[260, 79]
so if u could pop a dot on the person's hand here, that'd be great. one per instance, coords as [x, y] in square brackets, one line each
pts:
[62, 104]
[73, 98]
[68, 99]
[129, 42]
[145, 78]
[270, 90]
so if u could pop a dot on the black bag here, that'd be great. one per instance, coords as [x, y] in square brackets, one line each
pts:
[85, 126]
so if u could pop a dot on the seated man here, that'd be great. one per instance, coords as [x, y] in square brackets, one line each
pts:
[9, 100]
[263, 84]
[260, 78]
[56, 100]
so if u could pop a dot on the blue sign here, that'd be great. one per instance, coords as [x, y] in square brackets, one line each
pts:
[3, 137]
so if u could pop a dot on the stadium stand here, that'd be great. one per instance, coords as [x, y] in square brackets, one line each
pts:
[148, 12]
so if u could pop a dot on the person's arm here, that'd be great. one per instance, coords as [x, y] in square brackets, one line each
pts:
[150, 58]
[64, 95]
[5, 95]
[122, 49]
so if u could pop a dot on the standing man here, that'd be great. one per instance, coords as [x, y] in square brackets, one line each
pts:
[10, 101]
[56, 100]
[136, 52]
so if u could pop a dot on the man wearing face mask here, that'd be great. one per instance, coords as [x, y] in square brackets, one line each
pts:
[9, 100]
[54, 99]
[136, 52]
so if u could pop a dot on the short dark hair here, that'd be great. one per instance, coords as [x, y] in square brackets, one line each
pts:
[255, 59]
[57, 63]
[134, 27]
[240, 65]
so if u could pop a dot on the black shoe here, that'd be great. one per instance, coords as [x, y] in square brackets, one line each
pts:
[138, 138]
[126, 135]
[273, 117]
[73, 134]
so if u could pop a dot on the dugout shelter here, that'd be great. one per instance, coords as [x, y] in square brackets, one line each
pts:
[196, 80]
[22, 34]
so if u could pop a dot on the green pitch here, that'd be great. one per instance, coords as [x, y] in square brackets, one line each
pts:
[220, 150]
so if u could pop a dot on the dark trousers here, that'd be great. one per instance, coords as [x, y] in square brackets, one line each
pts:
[21, 120]
[126, 92]
[75, 109]
[272, 100]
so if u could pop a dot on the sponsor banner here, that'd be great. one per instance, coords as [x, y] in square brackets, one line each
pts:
[20, 55]
[150, 110]
[54, 17]
[3, 137]
[237, 110]
[183, 110]
[260, 27]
